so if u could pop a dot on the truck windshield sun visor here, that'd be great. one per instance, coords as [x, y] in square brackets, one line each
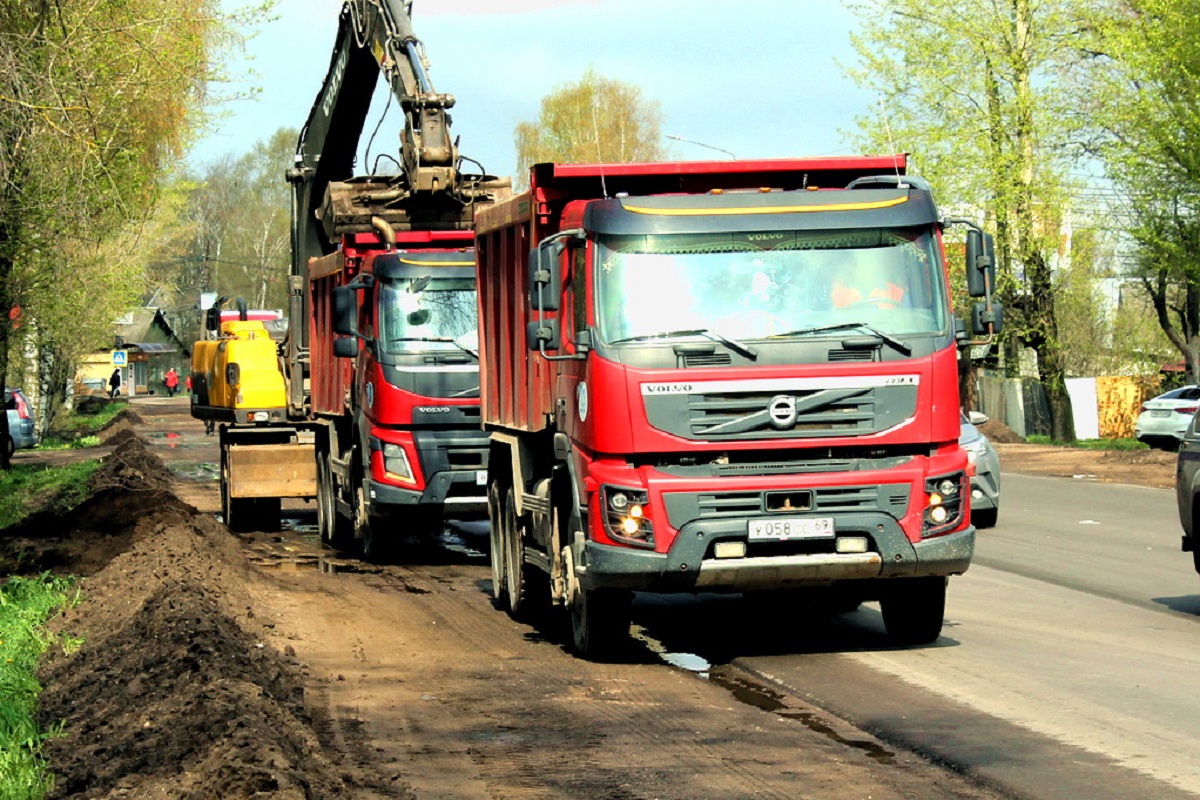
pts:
[762, 286]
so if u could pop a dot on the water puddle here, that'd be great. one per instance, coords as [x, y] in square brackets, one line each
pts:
[455, 542]
[171, 439]
[761, 697]
[689, 662]
[196, 472]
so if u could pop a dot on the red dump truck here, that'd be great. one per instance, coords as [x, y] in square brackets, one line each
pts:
[725, 376]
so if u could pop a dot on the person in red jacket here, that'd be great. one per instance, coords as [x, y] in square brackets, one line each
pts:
[172, 381]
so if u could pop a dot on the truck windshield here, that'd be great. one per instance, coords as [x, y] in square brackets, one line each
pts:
[760, 285]
[428, 313]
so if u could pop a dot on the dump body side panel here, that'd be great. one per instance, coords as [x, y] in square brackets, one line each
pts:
[515, 388]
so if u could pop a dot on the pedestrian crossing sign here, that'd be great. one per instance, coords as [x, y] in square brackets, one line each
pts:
[120, 358]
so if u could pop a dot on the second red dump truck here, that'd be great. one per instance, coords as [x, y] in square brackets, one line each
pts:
[725, 376]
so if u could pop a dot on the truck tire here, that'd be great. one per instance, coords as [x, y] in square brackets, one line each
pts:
[335, 530]
[599, 617]
[913, 610]
[380, 539]
[496, 545]
[600, 622]
[527, 586]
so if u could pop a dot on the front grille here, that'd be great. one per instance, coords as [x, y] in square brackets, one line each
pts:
[839, 412]
[708, 360]
[851, 355]
[466, 459]
[685, 507]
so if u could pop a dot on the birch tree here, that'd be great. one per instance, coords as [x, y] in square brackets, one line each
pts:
[594, 120]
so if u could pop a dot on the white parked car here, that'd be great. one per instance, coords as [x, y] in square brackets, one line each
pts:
[1166, 418]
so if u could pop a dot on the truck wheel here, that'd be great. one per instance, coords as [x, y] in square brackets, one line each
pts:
[333, 527]
[599, 617]
[527, 586]
[913, 610]
[600, 622]
[379, 540]
[496, 546]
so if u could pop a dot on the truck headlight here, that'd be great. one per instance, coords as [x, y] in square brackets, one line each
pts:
[625, 515]
[395, 463]
[944, 503]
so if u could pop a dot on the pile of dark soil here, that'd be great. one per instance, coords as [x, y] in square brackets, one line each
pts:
[130, 484]
[120, 427]
[177, 690]
[998, 432]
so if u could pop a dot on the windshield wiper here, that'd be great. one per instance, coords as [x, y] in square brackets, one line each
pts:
[899, 344]
[454, 342]
[708, 333]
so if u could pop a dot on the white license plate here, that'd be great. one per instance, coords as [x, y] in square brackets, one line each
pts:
[785, 528]
[1159, 412]
[481, 477]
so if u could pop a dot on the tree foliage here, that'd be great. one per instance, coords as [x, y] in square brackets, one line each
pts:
[594, 120]
[97, 100]
[974, 88]
[1145, 91]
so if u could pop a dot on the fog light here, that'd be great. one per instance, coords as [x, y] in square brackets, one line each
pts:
[629, 525]
[636, 512]
[261, 416]
[935, 499]
[975, 493]
[938, 514]
[852, 544]
[729, 549]
[948, 488]
[619, 501]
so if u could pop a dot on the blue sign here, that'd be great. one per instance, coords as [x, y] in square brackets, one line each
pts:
[120, 358]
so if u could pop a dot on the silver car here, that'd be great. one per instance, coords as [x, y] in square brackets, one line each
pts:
[985, 483]
[1164, 419]
[22, 432]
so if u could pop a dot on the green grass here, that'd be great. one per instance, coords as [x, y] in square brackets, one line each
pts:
[1127, 443]
[60, 443]
[27, 489]
[77, 429]
[25, 605]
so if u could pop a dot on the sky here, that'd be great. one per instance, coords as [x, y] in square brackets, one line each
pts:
[758, 78]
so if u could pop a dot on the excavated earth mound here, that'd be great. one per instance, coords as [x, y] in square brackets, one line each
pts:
[176, 690]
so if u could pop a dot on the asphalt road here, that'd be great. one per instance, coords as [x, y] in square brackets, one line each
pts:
[1069, 663]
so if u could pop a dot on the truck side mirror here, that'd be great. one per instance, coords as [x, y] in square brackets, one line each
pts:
[345, 347]
[545, 278]
[987, 318]
[345, 311]
[542, 335]
[981, 263]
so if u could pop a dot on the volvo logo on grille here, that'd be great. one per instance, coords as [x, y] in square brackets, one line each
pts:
[782, 409]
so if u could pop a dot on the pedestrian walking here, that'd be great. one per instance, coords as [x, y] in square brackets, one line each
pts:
[172, 381]
[114, 384]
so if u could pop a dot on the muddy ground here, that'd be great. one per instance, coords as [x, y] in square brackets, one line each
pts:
[207, 665]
